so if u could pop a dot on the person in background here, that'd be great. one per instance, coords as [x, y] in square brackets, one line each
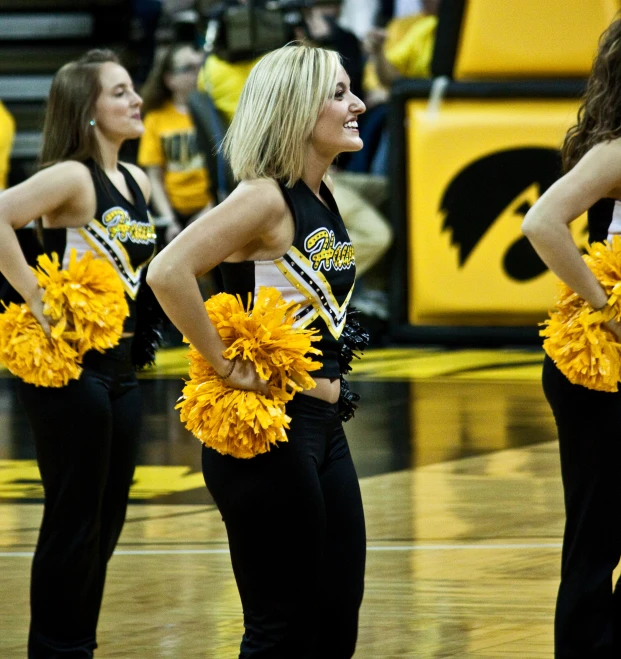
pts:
[321, 26]
[7, 133]
[168, 150]
[403, 49]
[224, 80]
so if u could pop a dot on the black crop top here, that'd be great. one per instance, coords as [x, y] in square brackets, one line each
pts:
[121, 232]
[599, 217]
[317, 272]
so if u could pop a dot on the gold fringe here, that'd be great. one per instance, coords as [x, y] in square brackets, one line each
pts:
[245, 423]
[86, 306]
[87, 300]
[30, 355]
[577, 339]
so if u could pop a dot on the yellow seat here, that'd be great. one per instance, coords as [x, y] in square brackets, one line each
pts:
[530, 38]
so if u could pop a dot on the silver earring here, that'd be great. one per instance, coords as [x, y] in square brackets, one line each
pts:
[92, 122]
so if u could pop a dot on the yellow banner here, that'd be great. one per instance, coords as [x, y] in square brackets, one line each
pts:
[474, 170]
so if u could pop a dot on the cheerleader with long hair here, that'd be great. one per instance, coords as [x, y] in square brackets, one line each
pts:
[86, 418]
[587, 411]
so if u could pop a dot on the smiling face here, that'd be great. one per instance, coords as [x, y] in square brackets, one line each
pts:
[117, 109]
[336, 130]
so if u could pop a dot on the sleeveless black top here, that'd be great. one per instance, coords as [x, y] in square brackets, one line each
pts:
[317, 272]
[599, 217]
[121, 233]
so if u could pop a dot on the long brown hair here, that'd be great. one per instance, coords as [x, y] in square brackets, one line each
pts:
[155, 92]
[67, 132]
[599, 116]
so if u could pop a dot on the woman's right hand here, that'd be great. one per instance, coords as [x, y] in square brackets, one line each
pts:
[244, 376]
[35, 304]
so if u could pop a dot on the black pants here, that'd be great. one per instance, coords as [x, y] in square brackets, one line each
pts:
[588, 620]
[296, 531]
[86, 437]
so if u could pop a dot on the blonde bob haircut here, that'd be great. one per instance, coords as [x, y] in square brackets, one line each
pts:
[277, 112]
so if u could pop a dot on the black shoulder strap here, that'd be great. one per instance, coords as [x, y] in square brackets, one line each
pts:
[600, 216]
[135, 189]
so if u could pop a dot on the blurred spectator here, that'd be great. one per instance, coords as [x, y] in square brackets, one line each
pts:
[224, 82]
[359, 198]
[403, 49]
[321, 26]
[168, 149]
[7, 133]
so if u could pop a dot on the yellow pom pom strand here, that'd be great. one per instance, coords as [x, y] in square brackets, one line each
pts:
[30, 355]
[576, 337]
[244, 424]
[86, 306]
[88, 297]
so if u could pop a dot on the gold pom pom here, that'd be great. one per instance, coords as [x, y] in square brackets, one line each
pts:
[245, 423]
[30, 355]
[87, 299]
[86, 306]
[577, 339]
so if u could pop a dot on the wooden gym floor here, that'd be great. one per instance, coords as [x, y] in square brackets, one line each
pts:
[459, 470]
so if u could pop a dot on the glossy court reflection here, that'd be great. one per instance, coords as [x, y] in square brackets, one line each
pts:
[459, 473]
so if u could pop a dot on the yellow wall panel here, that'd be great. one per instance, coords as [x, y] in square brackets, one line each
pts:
[474, 169]
[526, 38]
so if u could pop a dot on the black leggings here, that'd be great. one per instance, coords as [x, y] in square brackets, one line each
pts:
[588, 620]
[86, 437]
[296, 531]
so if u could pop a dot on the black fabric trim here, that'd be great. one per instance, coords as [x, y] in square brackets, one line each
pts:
[32, 248]
[238, 278]
[140, 203]
[600, 217]
[150, 319]
[355, 340]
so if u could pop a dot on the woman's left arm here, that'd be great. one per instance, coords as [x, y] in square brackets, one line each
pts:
[252, 210]
[546, 225]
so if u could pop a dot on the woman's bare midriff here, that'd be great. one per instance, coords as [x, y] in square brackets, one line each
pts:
[327, 389]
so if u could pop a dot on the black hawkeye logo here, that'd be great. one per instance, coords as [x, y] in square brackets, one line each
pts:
[488, 190]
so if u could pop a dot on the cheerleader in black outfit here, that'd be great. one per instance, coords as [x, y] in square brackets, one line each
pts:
[588, 612]
[294, 515]
[86, 433]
